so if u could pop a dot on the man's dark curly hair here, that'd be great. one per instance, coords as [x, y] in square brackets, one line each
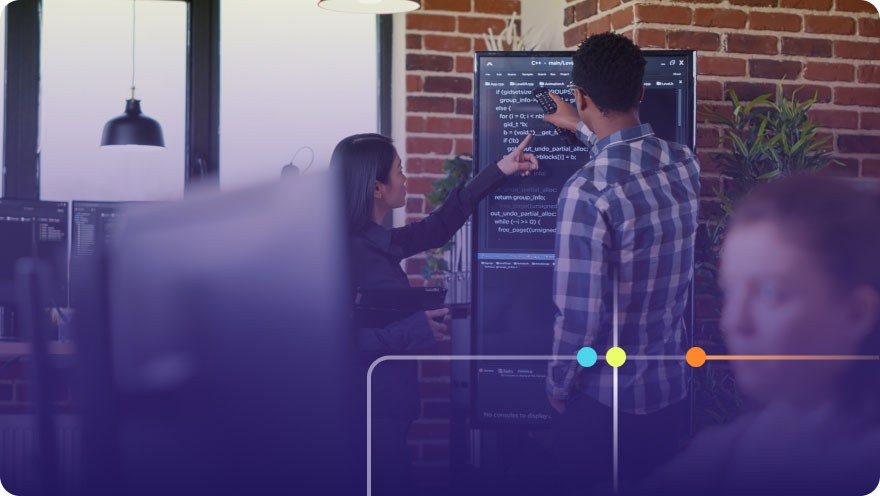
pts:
[610, 69]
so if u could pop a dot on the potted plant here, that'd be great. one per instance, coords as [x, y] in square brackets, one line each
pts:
[458, 170]
[767, 138]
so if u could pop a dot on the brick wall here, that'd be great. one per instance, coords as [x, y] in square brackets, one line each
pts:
[13, 389]
[828, 47]
[16, 391]
[441, 39]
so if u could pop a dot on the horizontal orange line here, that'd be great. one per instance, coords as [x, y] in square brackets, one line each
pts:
[793, 357]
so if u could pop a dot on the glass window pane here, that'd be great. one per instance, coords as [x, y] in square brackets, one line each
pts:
[292, 75]
[2, 91]
[86, 78]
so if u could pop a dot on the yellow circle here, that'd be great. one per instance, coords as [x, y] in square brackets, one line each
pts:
[615, 357]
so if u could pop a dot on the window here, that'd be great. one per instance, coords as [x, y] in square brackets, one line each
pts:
[292, 75]
[86, 58]
[2, 90]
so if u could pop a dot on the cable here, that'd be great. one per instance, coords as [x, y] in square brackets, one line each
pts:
[311, 160]
[133, 31]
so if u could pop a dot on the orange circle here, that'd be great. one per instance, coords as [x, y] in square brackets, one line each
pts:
[696, 357]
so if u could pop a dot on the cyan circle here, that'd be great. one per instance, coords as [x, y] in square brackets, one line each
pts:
[587, 357]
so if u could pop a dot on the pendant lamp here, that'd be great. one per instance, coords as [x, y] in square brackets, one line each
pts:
[132, 127]
[371, 6]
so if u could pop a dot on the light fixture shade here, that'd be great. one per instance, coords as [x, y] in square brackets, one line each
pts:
[132, 128]
[371, 6]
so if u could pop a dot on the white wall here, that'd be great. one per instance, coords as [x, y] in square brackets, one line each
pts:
[85, 80]
[292, 75]
[542, 22]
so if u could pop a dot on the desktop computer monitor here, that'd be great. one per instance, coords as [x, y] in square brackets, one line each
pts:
[514, 228]
[94, 225]
[31, 229]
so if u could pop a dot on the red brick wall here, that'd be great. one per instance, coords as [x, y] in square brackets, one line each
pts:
[16, 389]
[586, 17]
[440, 41]
[13, 389]
[829, 47]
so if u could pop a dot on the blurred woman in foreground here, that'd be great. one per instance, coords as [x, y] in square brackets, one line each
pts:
[800, 274]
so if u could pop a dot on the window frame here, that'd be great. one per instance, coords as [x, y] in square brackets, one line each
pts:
[21, 133]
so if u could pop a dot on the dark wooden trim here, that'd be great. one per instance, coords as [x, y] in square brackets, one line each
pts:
[21, 160]
[385, 32]
[384, 37]
[203, 94]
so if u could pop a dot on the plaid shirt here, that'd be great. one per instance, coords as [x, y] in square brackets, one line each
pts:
[630, 212]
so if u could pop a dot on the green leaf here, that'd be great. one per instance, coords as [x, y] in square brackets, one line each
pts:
[733, 98]
[758, 140]
[757, 101]
[801, 142]
[740, 145]
[770, 175]
[785, 146]
[817, 144]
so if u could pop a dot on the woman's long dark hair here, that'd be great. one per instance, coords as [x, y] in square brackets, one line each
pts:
[840, 225]
[362, 160]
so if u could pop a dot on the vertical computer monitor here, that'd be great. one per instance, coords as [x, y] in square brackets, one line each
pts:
[515, 227]
[31, 229]
[94, 225]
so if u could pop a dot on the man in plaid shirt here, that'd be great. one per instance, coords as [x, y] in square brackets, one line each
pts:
[626, 225]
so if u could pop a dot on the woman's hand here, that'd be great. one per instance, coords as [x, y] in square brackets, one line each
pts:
[565, 117]
[440, 326]
[518, 160]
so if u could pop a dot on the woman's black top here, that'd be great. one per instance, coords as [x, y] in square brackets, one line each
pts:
[375, 258]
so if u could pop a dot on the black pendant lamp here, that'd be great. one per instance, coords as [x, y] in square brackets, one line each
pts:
[132, 127]
[371, 6]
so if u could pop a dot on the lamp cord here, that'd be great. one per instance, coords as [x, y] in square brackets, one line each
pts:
[311, 160]
[133, 28]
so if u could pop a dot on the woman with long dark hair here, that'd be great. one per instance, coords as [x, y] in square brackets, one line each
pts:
[374, 184]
